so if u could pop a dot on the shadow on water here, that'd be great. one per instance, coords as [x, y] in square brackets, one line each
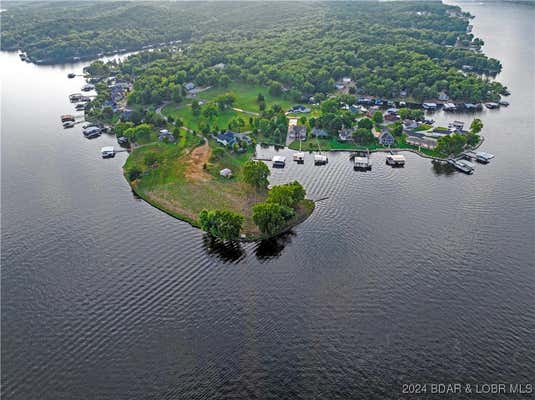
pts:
[440, 168]
[226, 251]
[270, 249]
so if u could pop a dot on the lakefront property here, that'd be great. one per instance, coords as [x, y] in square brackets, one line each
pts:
[192, 122]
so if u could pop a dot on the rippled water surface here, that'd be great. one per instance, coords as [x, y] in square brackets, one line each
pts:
[400, 275]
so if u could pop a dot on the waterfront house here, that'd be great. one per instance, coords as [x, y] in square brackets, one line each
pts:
[299, 109]
[409, 124]
[423, 141]
[166, 135]
[345, 134]
[442, 96]
[297, 132]
[189, 86]
[386, 138]
[319, 132]
[391, 117]
[229, 138]
[126, 113]
[356, 109]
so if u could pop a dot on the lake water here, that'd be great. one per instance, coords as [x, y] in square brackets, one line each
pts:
[400, 276]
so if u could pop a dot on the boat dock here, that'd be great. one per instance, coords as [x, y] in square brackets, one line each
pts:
[361, 160]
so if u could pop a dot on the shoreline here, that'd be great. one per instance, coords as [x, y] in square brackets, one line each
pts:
[300, 217]
[387, 150]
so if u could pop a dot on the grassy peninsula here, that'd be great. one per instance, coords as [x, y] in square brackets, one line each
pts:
[183, 179]
[311, 75]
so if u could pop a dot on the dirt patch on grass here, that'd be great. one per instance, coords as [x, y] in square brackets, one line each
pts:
[195, 163]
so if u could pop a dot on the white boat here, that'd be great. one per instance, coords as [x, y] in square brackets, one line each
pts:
[92, 131]
[107, 152]
[462, 165]
[429, 106]
[361, 163]
[88, 87]
[449, 107]
[395, 160]
[483, 157]
[299, 157]
[320, 159]
[279, 161]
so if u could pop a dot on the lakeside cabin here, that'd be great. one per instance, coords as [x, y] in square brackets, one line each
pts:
[279, 161]
[423, 142]
[386, 139]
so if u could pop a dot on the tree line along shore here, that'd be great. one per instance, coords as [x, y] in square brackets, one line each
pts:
[193, 110]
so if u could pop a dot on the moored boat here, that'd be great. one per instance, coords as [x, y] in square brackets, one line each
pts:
[91, 132]
[299, 157]
[67, 117]
[395, 160]
[462, 165]
[279, 161]
[88, 87]
[484, 158]
[107, 152]
[320, 159]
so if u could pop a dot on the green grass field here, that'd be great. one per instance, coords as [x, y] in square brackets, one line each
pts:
[246, 95]
[183, 111]
[183, 179]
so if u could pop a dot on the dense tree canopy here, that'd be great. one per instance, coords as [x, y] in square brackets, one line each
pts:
[256, 173]
[223, 224]
[296, 49]
[271, 217]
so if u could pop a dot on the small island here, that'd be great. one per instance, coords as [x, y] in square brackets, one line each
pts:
[192, 114]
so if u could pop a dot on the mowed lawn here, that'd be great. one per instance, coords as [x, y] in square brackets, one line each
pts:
[246, 96]
[183, 111]
[183, 185]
